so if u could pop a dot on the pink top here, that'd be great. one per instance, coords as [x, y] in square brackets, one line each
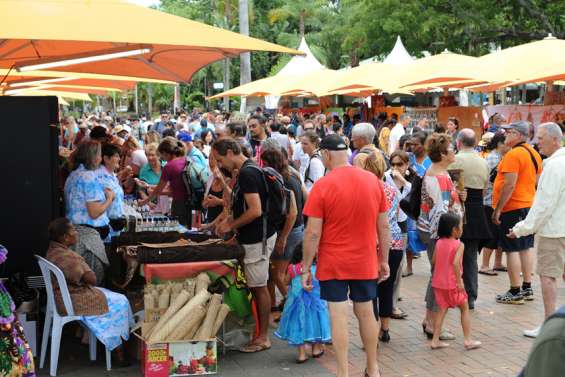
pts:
[294, 270]
[444, 273]
[172, 173]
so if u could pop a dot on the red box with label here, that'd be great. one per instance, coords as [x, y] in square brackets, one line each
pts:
[179, 359]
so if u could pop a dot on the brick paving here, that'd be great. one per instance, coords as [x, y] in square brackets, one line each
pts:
[498, 326]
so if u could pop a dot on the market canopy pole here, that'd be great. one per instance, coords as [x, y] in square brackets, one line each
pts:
[67, 36]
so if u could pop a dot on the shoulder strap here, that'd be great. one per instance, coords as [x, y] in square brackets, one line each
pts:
[522, 145]
[266, 210]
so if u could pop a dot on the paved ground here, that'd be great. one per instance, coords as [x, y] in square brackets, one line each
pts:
[498, 326]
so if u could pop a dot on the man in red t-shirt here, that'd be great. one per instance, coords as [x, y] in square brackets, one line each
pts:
[347, 212]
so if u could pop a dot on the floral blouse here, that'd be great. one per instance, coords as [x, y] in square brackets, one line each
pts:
[109, 180]
[394, 200]
[438, 197]
[83, 186]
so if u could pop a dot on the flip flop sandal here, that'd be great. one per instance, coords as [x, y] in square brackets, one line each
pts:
[445, 345]
[488, 272]
[318, 355]
[298, 361]
[407, 274]
[401, 315]
[254, 348]
[473, 346]
[501, 269]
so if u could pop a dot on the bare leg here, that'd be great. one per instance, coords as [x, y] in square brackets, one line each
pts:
[385, 323]
[514, 267]
[409, 259]
[466, 324]
[498, 258]
[263, 300]
[439, 317]
[339, 315]
[549, 293]
[302, 353]
[486, 259]
[527, 261]
[369, 332]
[280, 267]
[317, 349]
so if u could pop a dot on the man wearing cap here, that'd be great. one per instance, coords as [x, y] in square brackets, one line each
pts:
[349, 263]
[193, 153]
[513, 194]
[546, 218]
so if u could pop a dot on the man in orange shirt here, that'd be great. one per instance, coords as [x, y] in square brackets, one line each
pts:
[348, 262]
[513, 194]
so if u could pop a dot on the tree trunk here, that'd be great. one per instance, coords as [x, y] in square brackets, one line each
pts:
[245, 58]
[227, 63]
[176, 101]
[149, 100]
[301, 26]
[136, 100]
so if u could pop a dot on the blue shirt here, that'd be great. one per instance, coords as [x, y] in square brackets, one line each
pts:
[159, 127]
[82, 187]
[197, 157]
[109, 180]
[420, 169]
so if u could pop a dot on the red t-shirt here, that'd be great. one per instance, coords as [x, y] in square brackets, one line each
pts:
[349, 201]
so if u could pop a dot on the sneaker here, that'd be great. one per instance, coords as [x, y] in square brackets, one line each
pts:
[528, 294]
[509, 298]
[532, 333]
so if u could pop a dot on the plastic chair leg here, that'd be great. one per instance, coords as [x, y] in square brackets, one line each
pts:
[91, 344]
[108, 359]
[45, 338]
[55, 344]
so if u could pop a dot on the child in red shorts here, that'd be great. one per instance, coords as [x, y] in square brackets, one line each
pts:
[447, 280]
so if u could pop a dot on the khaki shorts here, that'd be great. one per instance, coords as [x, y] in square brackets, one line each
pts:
[256, 264]
[551, 257]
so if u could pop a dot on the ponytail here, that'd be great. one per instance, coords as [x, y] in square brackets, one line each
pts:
[172, 146]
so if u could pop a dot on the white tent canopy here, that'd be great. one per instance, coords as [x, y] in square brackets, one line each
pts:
[298, 65]
[398, 55]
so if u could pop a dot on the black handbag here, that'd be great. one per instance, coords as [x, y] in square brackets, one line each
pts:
[411, 203]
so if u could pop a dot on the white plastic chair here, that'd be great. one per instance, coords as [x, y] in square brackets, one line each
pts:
[54, 322]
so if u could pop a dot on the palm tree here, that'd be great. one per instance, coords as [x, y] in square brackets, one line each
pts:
[299, 10]
[245, 58]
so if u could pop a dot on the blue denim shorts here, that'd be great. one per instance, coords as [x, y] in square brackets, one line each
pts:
[295, 236]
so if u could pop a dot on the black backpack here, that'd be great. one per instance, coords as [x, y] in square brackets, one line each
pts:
[278, 198]
[411, 203]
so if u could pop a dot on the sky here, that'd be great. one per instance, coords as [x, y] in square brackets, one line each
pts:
[145, 3]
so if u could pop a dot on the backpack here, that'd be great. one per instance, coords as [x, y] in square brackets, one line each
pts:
[411, 203]
[278, 198]
[194, 177]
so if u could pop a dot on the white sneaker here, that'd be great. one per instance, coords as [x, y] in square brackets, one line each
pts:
[532, 333]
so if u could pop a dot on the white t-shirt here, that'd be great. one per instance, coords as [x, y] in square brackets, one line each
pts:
[395, 134]
[317, 171]
[299, 155]
[283, 140]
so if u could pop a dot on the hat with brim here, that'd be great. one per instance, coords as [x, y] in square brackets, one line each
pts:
[333, 142]
[522, 127]
[485, 139]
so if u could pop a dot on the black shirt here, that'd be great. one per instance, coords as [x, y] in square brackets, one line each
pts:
[250, 181]
[294, 185]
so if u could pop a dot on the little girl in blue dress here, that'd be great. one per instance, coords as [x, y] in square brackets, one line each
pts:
[305, 318]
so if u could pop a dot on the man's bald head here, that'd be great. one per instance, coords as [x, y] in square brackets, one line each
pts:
[467, 138]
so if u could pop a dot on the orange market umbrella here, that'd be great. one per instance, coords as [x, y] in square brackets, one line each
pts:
[113, 37]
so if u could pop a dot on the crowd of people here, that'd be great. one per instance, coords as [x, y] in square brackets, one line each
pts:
[350, 229]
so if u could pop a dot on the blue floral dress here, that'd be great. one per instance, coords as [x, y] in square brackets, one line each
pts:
[305, 318]
[83, 186]
[109, 180]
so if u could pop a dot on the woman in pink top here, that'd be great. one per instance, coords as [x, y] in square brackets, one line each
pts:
[447, 280]
[174, 152]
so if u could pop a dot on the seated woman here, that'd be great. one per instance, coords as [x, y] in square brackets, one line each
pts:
[16, 358]
[86, 202]
[107, 314]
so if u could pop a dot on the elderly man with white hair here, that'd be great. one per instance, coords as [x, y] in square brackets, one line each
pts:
[362, 137]
[475, 175]
[546, 217]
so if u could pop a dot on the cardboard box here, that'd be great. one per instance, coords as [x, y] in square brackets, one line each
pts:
[178, 359]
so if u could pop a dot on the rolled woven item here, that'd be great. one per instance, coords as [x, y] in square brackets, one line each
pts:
[168, 327]
[148, 301]
[190, 286]
[179, 302]
[202, 282]
[186, 327]
[205, 330]
[220, 318]
[164, 298]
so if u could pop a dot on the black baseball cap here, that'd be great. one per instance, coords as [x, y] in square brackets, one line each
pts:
[333, 142]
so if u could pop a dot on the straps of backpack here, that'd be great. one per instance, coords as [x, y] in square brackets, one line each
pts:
[522, 145]
[307, 171]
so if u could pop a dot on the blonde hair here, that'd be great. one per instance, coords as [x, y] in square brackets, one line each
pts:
[152, 148]
[152, 137]
[375, 163]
